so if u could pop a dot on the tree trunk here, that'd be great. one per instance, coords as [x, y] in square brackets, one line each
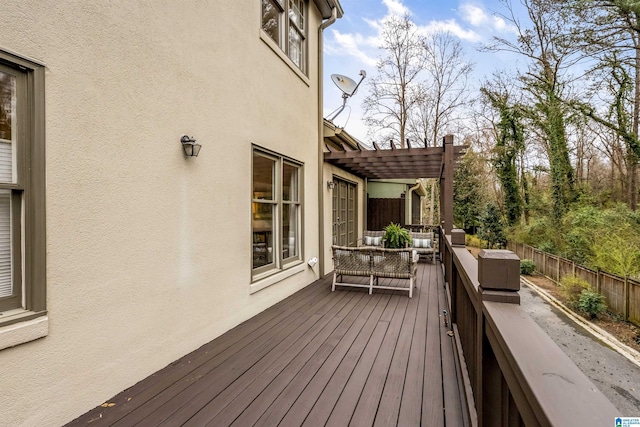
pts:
[633, 163]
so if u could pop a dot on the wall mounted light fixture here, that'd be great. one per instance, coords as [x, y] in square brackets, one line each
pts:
[191, 148]
[331, 185]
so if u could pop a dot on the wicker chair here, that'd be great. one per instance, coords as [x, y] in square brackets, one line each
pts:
[372, 238]
[424, 244]
[349, 261]
[394, 264]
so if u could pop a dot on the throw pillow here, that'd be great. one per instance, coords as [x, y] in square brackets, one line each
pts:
[372, 241]
[421, 243]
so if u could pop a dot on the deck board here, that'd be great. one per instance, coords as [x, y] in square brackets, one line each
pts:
[410, 409]
[317, 358]
[227, 406]
[432, 399]
[383, 408]
[362, 393]
[212, 378]
[216, 393]
[136, 400]
[300, 370]
[321, 364]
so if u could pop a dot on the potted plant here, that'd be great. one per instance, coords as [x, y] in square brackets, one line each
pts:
[396, 237]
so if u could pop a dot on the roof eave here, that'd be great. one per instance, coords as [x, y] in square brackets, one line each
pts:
[325, 7]
[339, 135]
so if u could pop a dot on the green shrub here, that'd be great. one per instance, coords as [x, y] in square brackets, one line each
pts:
[571, 288]
[473, 241]
[591, 303]
[396, 237]
[527, 266]
[547, 247]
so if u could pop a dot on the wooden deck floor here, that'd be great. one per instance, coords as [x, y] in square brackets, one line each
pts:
[317, 358]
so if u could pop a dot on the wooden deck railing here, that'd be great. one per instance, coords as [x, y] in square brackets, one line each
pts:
[515, 374]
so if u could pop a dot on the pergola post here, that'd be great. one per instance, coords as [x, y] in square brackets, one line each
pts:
[446, 185]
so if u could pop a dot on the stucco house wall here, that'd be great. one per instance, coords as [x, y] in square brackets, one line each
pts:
[388, 189]
[149, 252]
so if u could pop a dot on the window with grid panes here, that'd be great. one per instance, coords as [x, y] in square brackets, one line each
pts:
[276, 211]
[22, 230]
[285, 22]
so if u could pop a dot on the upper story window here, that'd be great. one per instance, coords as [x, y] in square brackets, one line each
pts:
[285, 22]
[22, 228]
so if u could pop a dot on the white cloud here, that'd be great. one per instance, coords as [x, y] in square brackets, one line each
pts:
[395, 7]
[352, 44]
[478, 17]
[375, 25]
[502, 26]
[361, 43]
[451, 26]
[473, 14]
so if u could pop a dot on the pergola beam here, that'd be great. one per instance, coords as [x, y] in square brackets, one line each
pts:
[405, 163]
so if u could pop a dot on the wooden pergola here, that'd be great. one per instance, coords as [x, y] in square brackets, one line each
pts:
[400, 163]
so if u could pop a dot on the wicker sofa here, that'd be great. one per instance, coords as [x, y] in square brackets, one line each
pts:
[374, 263]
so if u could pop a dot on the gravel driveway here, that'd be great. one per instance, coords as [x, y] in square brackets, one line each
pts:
[613, 374]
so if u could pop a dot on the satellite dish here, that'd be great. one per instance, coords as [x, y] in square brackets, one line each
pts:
[344, 83]
[348, 88]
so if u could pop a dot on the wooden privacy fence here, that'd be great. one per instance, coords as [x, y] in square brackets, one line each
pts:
[380, 212]
[622, 293]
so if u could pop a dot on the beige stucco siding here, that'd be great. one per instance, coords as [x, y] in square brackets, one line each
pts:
[148, 252]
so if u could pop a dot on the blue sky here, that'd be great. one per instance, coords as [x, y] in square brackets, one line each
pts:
[351, 43]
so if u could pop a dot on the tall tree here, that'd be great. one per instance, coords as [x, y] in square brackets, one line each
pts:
[544, 81]
[608, 31]
[509, 145]
[395, 90]
[444, 89]
[443, 93]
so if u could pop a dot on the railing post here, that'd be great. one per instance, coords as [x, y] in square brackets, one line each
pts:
[457, 240]
[457, 237]
[445, 258]
[499, 276]
[499, 280]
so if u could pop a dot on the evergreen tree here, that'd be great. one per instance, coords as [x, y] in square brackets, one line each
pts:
[467, 193]
[491, 227]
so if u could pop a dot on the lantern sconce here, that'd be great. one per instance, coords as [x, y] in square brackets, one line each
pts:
[191, 148]
[331, 185]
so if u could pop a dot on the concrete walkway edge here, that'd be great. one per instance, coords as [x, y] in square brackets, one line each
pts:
[632, 355]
